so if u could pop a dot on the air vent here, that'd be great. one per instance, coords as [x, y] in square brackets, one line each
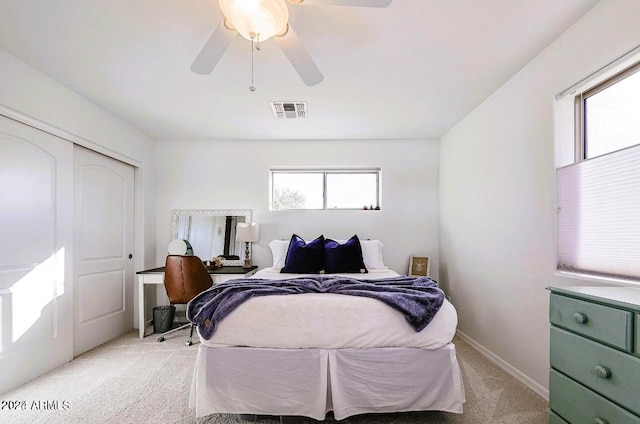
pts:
[289, 110]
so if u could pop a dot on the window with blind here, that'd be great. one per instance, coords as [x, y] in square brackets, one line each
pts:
[599, 194]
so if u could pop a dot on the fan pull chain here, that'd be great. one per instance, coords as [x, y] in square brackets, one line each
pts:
[257, 47]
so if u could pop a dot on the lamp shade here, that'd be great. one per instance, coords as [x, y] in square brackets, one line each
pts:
[264, 18]
[247, 232]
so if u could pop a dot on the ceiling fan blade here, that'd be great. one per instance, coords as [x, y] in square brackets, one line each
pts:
[213, 50]
[355, 3]
[299, 57]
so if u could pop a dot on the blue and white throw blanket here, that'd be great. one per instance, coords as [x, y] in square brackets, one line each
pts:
[417, 298]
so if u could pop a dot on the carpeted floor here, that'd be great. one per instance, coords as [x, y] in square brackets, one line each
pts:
[129, 380]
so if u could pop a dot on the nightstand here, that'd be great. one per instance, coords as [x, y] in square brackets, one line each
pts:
[155, 277]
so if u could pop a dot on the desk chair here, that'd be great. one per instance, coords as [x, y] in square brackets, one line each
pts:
[184, 278]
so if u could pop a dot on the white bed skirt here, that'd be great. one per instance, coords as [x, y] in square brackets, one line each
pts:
[312, 382]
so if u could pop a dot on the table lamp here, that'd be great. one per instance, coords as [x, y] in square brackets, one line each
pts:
[247, 232]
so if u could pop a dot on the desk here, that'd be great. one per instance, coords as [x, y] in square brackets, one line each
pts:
[155, 276]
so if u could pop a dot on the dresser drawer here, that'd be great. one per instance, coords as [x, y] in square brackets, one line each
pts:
[613, 374]
[638, 334]
[603, 323]
[577, 404]
[555, 419]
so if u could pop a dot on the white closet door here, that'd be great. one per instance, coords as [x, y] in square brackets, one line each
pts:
[104, 237]
[36, 219]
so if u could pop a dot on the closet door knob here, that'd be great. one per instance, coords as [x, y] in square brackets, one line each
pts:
[580, 318]
[602, 372]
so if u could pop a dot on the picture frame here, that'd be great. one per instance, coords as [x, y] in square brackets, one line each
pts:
[419, 266]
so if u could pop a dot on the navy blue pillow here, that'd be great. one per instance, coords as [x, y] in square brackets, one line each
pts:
[304, 258]
[343, 258]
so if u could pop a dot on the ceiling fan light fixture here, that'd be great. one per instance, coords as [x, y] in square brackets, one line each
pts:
[263, 18]
[228, 24]
[283, 33]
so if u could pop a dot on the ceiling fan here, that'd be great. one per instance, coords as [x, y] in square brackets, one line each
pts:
[259, 20]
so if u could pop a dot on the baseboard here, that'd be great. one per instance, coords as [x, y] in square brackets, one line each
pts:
[508, 368]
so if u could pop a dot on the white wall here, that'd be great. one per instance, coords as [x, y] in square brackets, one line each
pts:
[497, 195]
[235, 175]
[31, 96]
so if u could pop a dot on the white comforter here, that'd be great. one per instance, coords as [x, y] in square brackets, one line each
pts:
[328, 321]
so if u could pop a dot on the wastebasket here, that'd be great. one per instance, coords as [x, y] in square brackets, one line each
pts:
[163, 318]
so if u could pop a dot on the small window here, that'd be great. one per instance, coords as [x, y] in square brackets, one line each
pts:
[325, 189]
[609, 114]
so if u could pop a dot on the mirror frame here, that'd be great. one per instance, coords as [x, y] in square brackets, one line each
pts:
[176, 213]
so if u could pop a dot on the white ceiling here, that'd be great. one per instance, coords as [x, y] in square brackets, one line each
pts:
[411, 70]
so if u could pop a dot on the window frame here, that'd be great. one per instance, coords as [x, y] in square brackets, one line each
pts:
[580, 121]
[325, 171]
[595, 268]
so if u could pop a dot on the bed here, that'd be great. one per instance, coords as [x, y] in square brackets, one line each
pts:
[311, 353]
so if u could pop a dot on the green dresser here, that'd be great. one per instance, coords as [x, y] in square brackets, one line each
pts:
[595, 355]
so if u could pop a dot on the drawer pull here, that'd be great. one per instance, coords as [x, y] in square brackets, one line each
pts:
[601, 421]
[580, 318]
[602, 372]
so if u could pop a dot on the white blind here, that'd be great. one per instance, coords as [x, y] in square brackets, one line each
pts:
[599, 215]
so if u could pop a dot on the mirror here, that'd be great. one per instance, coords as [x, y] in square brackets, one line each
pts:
[211, 232]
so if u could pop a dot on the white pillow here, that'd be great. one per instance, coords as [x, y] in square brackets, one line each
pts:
[372, 254]
[279, 252]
